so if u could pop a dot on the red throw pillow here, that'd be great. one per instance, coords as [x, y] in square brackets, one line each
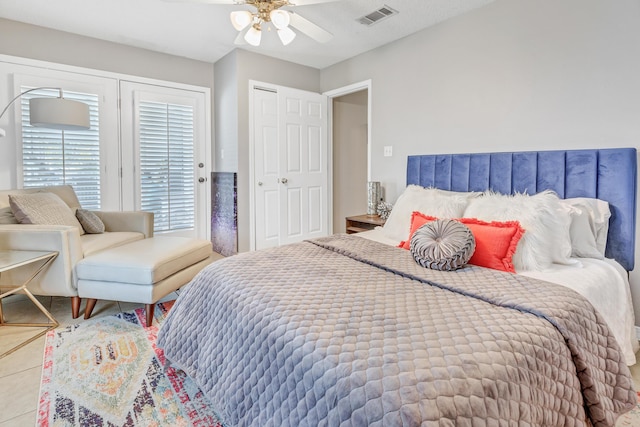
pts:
[418, 219]
[496, 241]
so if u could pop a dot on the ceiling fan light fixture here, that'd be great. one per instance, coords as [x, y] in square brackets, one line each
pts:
[286, 23]
[279, 18]
[240, 19]
[253, 36]
[286, 35]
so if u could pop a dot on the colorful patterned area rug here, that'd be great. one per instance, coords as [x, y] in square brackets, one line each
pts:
[108, 372]
[631, 418]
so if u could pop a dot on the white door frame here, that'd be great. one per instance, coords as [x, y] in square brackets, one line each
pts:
[335, 93]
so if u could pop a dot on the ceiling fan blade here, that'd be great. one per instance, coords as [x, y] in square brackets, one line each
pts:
[309, 28]
[306, 2]
[239, 41]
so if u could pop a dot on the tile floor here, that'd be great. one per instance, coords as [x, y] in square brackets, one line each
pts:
[20, 371]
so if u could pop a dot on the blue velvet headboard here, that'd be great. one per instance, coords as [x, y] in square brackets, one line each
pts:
[606, 174]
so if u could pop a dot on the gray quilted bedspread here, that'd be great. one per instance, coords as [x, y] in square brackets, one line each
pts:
[343, 331]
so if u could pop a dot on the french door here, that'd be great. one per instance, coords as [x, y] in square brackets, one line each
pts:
[290, 168]
[165, 156]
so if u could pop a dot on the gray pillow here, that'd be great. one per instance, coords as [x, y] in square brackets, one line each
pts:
[443, 244]
[91, 223]
[42, 208]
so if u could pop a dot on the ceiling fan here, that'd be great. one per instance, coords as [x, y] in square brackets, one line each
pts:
[271, 11]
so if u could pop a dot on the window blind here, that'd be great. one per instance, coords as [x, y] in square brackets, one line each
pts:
[55, 157]
[167, 173]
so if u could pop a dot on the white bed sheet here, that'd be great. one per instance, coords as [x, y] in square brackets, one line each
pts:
[603, 282]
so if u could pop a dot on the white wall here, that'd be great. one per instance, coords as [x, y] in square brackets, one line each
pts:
[513, 75]
[226, 114]
[31, 41]
[516, 74]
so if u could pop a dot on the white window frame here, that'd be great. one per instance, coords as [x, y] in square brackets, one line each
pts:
[109, 153]
[17, 74]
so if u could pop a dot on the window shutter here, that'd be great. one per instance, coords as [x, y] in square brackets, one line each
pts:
[55, 157]
[167, 175]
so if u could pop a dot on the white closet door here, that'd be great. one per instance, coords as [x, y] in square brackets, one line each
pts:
[290, 166]
[304, 174]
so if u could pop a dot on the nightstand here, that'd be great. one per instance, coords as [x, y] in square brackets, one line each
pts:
[358, 223]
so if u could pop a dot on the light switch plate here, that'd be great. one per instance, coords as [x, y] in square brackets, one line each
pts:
[388, 151]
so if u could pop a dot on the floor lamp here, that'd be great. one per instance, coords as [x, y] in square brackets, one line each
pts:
[54, 113]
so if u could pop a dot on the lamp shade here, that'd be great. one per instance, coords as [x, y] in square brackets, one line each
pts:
[286, 35]
[240, 19]
[279, 18]
[253, 36]
[59, 113]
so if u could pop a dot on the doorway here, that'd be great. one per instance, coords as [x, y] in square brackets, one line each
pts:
[350, 152]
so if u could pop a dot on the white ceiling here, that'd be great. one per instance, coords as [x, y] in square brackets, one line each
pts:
[204, 32]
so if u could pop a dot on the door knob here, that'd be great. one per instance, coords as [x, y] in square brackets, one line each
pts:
[259, 183]
[201, 179]
[284, 180]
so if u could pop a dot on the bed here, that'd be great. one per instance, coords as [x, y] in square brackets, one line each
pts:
[346, 330]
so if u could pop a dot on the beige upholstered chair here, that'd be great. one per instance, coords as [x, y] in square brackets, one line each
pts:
[60, 279]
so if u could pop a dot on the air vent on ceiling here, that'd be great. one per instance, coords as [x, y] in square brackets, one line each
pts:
[377, 15]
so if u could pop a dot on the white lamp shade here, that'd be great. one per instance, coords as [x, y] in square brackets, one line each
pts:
[279, 18]
[240, 19]
[286, 35]
[59, 113]
[253, 36]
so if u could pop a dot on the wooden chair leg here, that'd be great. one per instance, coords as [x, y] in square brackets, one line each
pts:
[91, 302]
[75, 307]
[148, 308]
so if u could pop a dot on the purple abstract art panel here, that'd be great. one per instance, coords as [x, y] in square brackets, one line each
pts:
[224, 212]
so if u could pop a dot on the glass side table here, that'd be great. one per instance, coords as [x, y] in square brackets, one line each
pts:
[10, 260]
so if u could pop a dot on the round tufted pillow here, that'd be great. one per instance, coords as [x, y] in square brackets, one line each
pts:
[443, 244]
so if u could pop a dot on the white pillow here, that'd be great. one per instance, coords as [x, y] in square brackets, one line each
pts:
[599, 214]
[582, 233]
[429, 201]
[465, 194]
[546, 239]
